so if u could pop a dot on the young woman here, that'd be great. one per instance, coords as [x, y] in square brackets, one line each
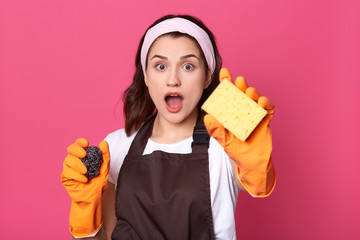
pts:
[167, 178]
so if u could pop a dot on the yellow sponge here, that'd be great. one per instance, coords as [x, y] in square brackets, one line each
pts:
[234, 110]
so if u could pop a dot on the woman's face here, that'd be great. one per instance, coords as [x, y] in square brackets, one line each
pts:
[176, 77]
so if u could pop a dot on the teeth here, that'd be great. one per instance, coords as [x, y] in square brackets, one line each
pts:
[173, 95]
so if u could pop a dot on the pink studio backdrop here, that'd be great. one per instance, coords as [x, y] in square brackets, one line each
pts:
[64, 65]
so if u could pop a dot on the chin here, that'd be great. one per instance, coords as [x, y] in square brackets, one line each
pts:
[175, 118]
[179, 118]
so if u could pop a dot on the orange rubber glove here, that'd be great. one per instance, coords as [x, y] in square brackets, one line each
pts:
[86, 195]
[253, 157]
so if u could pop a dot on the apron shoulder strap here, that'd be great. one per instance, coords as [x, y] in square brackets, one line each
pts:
[201, 137]
[138, 145]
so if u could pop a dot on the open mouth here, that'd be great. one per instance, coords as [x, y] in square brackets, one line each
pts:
[174, 102]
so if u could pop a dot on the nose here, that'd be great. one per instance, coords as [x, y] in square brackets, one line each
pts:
[173, 79]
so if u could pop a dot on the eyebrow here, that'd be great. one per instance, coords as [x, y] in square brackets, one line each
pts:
[189, 56]
[183, 57]
[158, 56]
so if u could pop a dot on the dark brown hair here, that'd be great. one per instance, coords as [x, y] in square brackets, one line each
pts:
[138, 106]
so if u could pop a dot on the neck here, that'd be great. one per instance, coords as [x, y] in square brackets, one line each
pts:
[168, 132]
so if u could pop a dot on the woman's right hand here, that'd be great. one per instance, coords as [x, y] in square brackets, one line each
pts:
[86, 195]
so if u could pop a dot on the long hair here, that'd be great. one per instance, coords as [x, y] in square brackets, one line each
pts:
[138, 106]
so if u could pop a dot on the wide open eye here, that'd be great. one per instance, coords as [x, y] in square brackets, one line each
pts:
[188, 66]
[160, 66]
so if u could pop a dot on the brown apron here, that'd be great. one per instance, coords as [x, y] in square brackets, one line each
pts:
[164, 195]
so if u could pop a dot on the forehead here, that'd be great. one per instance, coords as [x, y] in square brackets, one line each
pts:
[168, 44]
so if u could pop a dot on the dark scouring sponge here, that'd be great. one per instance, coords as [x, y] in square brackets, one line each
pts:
[92, 161]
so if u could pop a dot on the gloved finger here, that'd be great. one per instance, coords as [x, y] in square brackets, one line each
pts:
[224, 74]
[75, 163]
[241, 83]
[265, 103]
[252, 93]
[76, 150]
[215, 129]
[82, 142]
[104, 147]
[69, 174]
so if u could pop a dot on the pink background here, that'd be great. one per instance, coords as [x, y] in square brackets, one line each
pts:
[64, 65]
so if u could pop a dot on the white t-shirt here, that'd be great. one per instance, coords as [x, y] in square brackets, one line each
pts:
[224, 184]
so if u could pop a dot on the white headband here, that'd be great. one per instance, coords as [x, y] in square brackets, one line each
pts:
[184, 26]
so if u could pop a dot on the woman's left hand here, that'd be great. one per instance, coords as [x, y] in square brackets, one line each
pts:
[253, 157]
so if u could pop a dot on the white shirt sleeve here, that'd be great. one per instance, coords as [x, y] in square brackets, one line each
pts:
[119, 144]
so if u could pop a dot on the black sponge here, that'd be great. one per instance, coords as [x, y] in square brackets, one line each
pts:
[92, 161]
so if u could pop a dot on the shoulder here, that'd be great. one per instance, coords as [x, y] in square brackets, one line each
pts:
[217, 150]
[119, 142]
[119, 139]
[118, 135]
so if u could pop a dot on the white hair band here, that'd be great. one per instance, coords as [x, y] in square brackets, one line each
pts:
[184, 26]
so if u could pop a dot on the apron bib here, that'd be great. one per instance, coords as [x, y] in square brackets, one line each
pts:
[164, 195]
